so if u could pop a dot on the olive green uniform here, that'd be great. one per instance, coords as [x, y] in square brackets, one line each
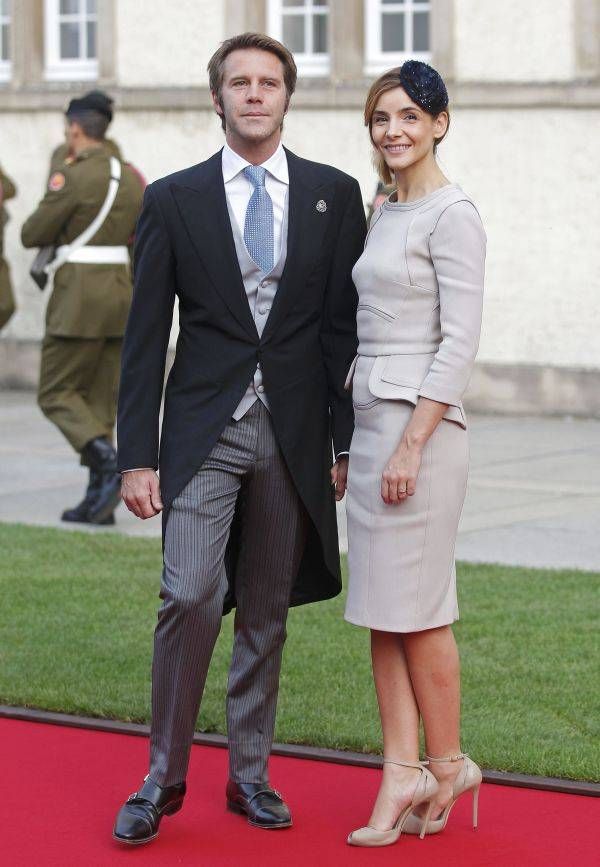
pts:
[7, 300]
[88, 308]
[60, 155]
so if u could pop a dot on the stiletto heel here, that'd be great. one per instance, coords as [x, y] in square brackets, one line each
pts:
[475, 805]
[425, 790]
[468, 779]
[426, 818]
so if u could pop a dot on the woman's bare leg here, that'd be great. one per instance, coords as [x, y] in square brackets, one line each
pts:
[400, 725]
[434, 669]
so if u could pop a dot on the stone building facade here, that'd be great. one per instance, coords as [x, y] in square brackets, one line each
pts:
[524, 81]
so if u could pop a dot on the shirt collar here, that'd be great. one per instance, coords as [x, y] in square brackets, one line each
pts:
[276, 165]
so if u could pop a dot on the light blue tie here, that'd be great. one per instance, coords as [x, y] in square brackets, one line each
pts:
[258, 226]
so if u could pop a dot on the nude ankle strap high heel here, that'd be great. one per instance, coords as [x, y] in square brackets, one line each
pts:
[425, 790]
[468, 779]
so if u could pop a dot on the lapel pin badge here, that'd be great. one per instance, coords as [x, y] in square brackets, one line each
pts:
[321, 206]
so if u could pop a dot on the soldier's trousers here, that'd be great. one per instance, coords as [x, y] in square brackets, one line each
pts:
[7, 299]
[79, 380]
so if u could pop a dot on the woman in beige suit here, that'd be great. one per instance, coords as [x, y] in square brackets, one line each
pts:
[420, 285]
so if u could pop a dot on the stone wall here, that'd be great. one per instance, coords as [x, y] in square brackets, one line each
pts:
[523, 142]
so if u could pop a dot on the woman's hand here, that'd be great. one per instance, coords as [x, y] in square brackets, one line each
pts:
[399, 479]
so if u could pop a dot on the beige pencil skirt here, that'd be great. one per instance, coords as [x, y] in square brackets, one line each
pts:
[402, 576]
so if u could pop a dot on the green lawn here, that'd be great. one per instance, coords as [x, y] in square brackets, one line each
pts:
[78, 611]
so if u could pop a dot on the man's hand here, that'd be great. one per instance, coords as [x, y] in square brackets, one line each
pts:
[339, 477]
[140, 491]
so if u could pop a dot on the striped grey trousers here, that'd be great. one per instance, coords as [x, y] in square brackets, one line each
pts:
[244, 468]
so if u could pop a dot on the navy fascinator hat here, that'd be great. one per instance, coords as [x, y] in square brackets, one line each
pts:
[424, 85]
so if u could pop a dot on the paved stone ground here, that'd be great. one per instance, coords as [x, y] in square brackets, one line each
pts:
[533, 499]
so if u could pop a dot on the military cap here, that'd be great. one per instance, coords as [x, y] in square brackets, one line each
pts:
[95, 100]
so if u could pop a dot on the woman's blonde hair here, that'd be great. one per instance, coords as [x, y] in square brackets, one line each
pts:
[390, 80]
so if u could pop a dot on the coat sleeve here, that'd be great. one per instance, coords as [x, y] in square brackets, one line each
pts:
[146, 340]
[457, 245]
[338, 331]
[44, 226]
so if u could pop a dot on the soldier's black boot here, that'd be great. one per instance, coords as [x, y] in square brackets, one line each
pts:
[79, 514]
[101, 457]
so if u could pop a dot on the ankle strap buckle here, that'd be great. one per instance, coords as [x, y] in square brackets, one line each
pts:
[455, 758]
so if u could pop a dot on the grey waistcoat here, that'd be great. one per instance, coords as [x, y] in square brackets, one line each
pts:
[261, 288]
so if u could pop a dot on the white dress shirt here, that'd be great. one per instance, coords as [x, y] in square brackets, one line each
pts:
[239, 189]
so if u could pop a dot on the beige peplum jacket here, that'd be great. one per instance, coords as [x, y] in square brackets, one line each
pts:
[420, 284]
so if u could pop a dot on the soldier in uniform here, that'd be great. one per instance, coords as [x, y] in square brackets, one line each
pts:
[7, 299]
[62, 154]
[88, 308]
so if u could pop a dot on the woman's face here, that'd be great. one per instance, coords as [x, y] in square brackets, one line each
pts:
[402, 132]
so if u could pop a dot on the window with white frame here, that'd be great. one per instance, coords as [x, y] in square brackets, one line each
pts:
[303, 27]
[395, 31]
[71, 29]
[5, 64]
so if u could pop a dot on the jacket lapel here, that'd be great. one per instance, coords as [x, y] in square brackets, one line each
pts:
[203, 209]
[306, 228]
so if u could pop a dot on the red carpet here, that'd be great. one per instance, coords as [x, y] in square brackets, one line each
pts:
[63, 786]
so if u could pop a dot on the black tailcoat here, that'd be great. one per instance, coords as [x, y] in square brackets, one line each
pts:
[185, 248]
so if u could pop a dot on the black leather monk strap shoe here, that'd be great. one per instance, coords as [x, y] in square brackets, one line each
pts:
[264, 806]
[139, 817]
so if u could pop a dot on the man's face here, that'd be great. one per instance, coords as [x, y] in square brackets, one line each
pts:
[253, 96]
